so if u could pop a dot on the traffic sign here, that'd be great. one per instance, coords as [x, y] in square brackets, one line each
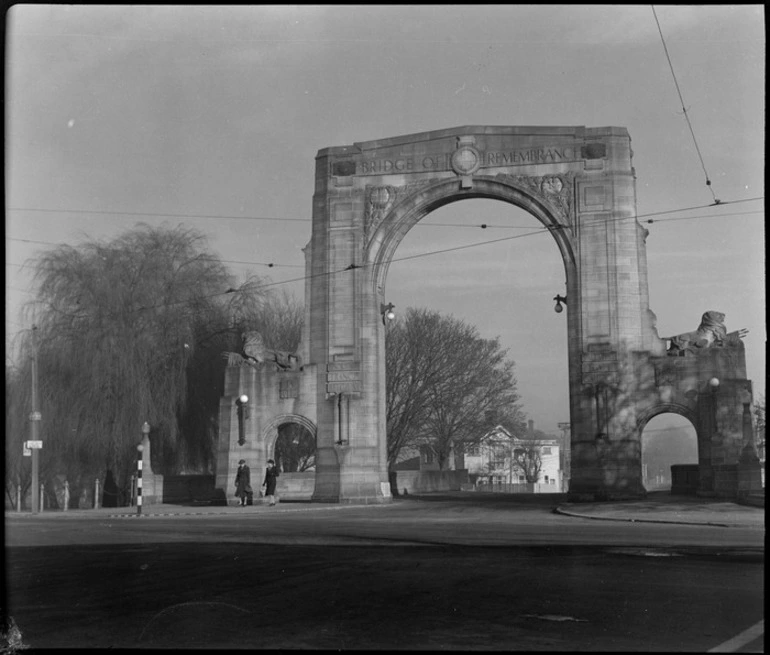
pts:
[35, 416]
[26, 452]
[34, 444]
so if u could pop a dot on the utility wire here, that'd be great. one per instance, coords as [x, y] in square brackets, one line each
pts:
[681, 101]
[309, 220]
[157, 214]
[454, 248]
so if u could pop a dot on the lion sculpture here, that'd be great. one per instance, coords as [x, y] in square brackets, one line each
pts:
[710, 333]
[255, 353]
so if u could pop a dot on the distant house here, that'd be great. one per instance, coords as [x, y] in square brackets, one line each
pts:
[501, 458]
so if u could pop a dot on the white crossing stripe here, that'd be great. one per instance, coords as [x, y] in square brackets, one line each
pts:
[747, 636]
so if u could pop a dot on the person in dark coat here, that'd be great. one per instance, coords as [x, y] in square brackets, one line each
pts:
[243, 483]
[270, 479]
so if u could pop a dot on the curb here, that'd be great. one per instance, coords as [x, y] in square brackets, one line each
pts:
[564, 512]
[89, 514]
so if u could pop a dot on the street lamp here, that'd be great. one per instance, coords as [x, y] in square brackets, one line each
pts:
[559, 299]
[242, 416]
[387, 312]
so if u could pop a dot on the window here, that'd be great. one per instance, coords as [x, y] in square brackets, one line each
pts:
[429, 457]
[546, 479]
[546, 450]
[521, 478]
[553, 481]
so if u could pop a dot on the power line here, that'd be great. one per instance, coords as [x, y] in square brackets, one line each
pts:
[309, 220]
[687, 218]
[462, 247]
[225, 261]
[684, 110]
[155, 214]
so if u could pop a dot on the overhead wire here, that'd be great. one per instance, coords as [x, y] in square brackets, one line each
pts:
[684, 109]
[51, 210]
[353, 266]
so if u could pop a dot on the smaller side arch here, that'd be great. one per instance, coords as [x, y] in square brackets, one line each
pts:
[651, 412]
[685, 477]
[270, 433]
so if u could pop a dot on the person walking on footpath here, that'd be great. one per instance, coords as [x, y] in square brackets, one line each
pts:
[243, 482]
[270, 479]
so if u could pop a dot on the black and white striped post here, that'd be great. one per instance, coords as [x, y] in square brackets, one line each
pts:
[140, 449]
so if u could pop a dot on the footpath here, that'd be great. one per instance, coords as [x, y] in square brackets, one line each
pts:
[658, 507]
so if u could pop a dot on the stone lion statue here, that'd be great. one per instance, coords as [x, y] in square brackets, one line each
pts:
[255, 353]
[710, 333]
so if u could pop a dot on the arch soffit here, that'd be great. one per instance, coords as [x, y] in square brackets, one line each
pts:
[401, 218]
[665, 408]
[270, 433]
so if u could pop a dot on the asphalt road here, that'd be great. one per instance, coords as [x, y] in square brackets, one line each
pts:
[498, 574]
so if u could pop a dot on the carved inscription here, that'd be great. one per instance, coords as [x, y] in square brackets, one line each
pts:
[344, 366]
[289, 388]
[344, 387]
[344, 377]
[531, 156]
[489, 159]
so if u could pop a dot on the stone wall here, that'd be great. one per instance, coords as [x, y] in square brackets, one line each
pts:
[684, 479]
[725, 480]
[415, 482]
[181, 489]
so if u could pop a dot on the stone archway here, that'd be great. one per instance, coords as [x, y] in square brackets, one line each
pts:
[579, 182]
[271, 432]
[686, 472]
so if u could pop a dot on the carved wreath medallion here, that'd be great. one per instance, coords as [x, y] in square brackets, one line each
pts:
[557, 190]
[379, 200]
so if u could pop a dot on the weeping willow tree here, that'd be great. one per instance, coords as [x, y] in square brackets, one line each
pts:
[128, 331]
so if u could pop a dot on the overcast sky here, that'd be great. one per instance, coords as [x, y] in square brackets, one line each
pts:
[211, 117]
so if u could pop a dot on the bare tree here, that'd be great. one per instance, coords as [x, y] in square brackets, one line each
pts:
[446, 386]
[527, 459]
[294, 448]
[414, 359]
[131, 331]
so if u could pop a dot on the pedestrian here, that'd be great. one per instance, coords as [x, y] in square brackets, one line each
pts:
[243, 483]
[270, 479]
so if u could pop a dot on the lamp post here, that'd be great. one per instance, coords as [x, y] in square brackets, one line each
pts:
[559, 300]
[241, 403]
[387, 312]
[139, 450]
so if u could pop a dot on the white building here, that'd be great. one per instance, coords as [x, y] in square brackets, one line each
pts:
[499, 460]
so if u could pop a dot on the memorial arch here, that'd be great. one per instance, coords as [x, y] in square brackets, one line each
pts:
[580, 184]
